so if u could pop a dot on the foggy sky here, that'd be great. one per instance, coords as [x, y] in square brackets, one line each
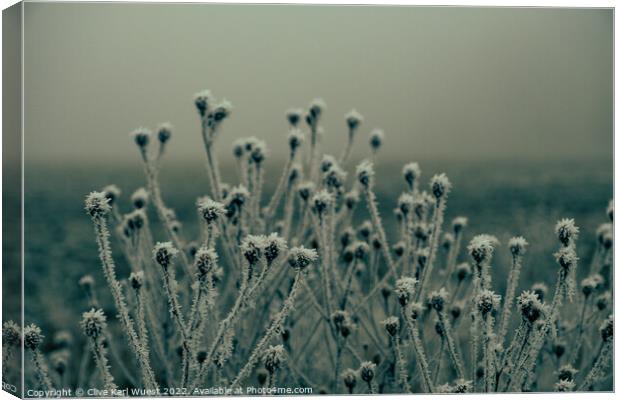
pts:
[441, 82]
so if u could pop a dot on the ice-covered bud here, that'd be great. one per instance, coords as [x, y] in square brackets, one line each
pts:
[603, 300]
[376, 139]
[202, 101]
[605, 235]
[32, 337]
[481, 248]
[440, 186]
[567, 372]
[299, 257]
[142, 137]
[140, 198]
[295, 140]
[531, 306]
[259, 152]
[364, 230]
[87, 282]
[210, 210]
[349, 376]
[399, 248]
[392, 325]
[448, 241]
[275, 246]
[335, 178]
[487, 301]
[205, 260]
[517, 245]
[112, 193]
[458, 224]
[93, 323]
[462, 386]
[11, 335]
[360, 249]
[238, 148]
[566, 257]
[305, 190]
[222, 110]
[567, 231]
[97, 204]
[273, 357]
[588, 285]
[456, 310]
[136, 279]
[406, 203]
[405, 289]
[294, 115]
[607, 329]
[411, 173]
[365, 174]
[367, 371]
[164, 132]
[540, 290]
[163, 253]
[438, 298]
[251, 248]
[59, 360]
[322, 202]
[463, 270]
[317, 106]
[351, 199]
[327, 162]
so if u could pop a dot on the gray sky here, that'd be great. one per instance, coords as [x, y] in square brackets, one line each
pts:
[442, 82]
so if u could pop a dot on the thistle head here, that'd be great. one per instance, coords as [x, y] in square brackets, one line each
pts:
[438, 298]
[481, 248]
[32, 337]
[322, 202]
[456, 310]
[59, 360]
[567, 372]
[136, 279]
[349, 376]
[164, 132]
[364, 230]
[87, 282]
[365, 174]
[531, 306]
[238, 148]
[252, 247]
[517, 246]
[353, 119]
[273, 357]
[447, 241]
[463, 270]
[399, 248]
[295, 139]
[140, 198]
[112, 193]
[305, 190]
[351, 199]
[360, 249]
[327, 162]
[11, 334]
[142, 137]
[440, 186]
[588, 286]
[458, 224]
[205, 260]
[300, 257]
[487, 301]
[317, 106]
[93, 323]
[405, 290]
[97, 205]
[221, 111]
[567, 231]
[275, 246]
[405, 203]
[610, 210]
[343, 322]
[392, 325]
[603, 300]
[564, 386]
[164, 253]
[411, 173]
[605, 235]
[607, 329]
[203, 101]
[293, 116]
[335, 178]
[567, 258]
[259, 152]
[210, 210]
[376, 140]
[367, 371]
[540, 290]
[415, 310]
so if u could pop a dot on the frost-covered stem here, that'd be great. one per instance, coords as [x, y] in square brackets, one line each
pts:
[277, 195]
[347, 287]
[474, 332]
[256, 196]
[288, 213]
[452, 256]
[140, 318]
[452, 346]
[427, 272]
[603, 357]
[109, 270]
[102, 363]
[372, 387]
[39, 365]
[326, 264]
[511, 287]
[271, 381]
[488, 353]
[212, 171]
[274, 327]
[371, 202]
[401, 363]
[419, 350]
[346, 153]
[581, 327]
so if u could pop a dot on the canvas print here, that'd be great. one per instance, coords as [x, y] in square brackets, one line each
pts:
[301, 200]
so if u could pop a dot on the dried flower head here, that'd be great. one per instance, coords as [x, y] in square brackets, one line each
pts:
[588, 285]
[275, 246]
[327, 162]
[210, 210]
[463, 270]
[32, 337]
[458, 224]
[392, 325]
[141, 136]
[112, 193]
[140, 198]
[481, 248]
[440, 186]
[567, 372]
[405, 203]
[405, 289]
[205, 260]
[294, 115]
[411, 173]
[295, 139]
[566, 257]
[365, 174]
[305, 190]
[376, 139]
[353, 119]
[252, 248]
[517, 245]
[221, 110]
[97, 205]
[299, 257]
[163, 253]
[438, 298]
[317, 106]
[603, 300]
[273, 357]
[531, 306]
[367, 371]
[322, 202]
[202, 101]
[11, 335]
[93, 323]
[351, 199]
[605, 235]
[567, 231]
[164, 132]
[462, 386]
[349, 376]
[334, 179]
[136, 279]
[487, 301]
[259, 152]
[87, 282]
[59, 360]
[540, 290]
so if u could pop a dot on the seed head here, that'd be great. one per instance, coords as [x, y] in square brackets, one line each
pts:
[273, 357]
[351, 199]
[87, 282]
[59, 360]
[399, 248]
[567, 372]
[317, 106]
[603, 300]
[349, 377]
[405, 289]
[531, 306]
[481, 248]
[365, 174]
[566, 257]
[440, 186]
[112, 193]
[607, 329]
[210, 210]
[295, 139]
[367, 371]
[392, 325]
[136, 279]
[364, 230]
[588, 286]
[97, 205]
[140, 198]
[540, 290]
[487, 301]
[458, 224]
[376, 139]
[438, 298]
[463, 270]
[334, 178]
[517, 245]
[305, 190]
[564, 386]
[222, 110]
[252, 247]
[405, 203]
[456, 310]
[293, 116]
[205, 260]
[300, 257]
[93, 323]
[327, 162]
[360, 249]
[275, 246]
[448, 240]
[32, 337]
[567, 231]
[164, 132]
[322, 202]
[142, 137]
[202, 101]
[259, 152]
[411, 173]
[163, 253]
[353, 119]
[11, 335]
[605, 235]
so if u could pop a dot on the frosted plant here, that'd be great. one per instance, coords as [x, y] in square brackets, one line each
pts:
[33, 338]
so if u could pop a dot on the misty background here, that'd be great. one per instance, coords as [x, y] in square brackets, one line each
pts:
[443, 83]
